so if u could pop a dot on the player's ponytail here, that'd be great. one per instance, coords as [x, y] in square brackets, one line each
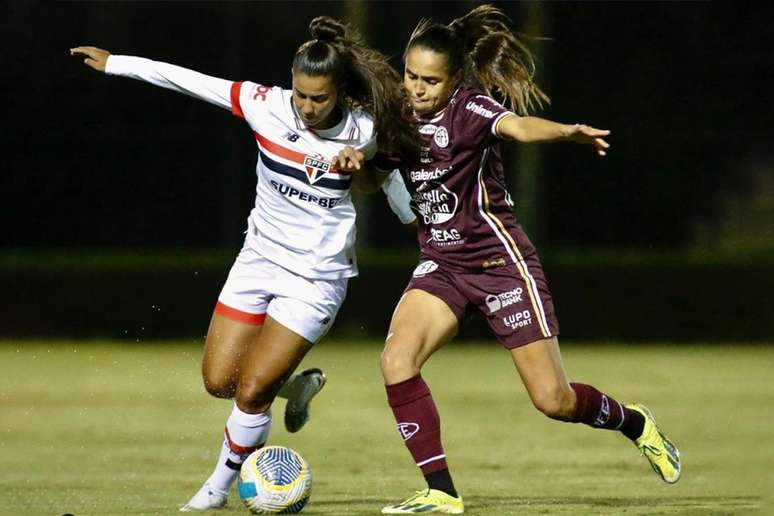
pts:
[326, 28]
[485, 52]
[365, 79]
[320, 55]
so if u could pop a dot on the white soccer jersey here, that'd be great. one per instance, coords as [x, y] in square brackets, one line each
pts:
[303, 218]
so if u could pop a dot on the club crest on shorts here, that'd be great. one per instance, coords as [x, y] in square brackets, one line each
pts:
[316, 167]
[441, 137]
[407, 430]
[425, 267]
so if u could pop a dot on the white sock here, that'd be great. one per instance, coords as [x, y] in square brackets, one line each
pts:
[247, 432]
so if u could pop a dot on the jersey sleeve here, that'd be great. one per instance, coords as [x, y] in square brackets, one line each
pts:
[477, 117]
[253, 101]
[398, 197]
[368, 148]
[182, 80]
[385, 163]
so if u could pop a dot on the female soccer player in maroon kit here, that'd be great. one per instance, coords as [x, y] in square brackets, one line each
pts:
[473, 251]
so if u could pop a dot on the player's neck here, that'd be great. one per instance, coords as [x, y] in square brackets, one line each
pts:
[333, 119]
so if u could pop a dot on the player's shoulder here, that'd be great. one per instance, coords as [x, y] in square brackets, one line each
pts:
[259, 100]
[476, 101]
[364, 123]
[258, 92]
[463, 95]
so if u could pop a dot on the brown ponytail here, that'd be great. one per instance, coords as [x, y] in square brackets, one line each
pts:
[365, 79]
[489, 55]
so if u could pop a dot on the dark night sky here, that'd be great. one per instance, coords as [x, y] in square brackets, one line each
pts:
[98, 161]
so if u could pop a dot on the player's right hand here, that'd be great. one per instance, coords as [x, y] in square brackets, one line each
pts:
[95, 57]
[349, 159]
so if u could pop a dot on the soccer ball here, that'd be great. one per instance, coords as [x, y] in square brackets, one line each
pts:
[275, 480]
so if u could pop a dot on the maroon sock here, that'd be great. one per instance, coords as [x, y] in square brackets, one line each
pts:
[418, 423]
[597, 409]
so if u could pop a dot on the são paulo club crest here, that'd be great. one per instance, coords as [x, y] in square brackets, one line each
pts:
[316, 167]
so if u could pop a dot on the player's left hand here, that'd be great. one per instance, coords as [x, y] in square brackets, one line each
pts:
[96, 58]
[582, 133]
[349, 159]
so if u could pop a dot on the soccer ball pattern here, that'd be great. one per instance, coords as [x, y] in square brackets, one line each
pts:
[275, 480]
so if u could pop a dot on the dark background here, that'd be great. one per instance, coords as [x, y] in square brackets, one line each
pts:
[669, 237]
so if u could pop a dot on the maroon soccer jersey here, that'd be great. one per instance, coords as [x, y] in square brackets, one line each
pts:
[472, 249]
[458, 188]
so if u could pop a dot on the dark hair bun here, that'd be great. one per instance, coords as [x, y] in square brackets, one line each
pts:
[326, 28]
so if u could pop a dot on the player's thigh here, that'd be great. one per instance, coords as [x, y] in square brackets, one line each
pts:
[228, 342]
[299, 315]
[267, 364]
[421, 323]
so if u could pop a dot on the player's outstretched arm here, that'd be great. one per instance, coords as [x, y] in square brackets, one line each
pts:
[189, 82]
[95, 57]
[531, 129]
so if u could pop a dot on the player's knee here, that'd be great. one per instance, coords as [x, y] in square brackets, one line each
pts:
[397, 363]
[256, 393]
[219, 386]
[556, 403]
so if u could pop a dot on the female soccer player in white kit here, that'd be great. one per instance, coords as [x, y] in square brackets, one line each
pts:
[290, 278]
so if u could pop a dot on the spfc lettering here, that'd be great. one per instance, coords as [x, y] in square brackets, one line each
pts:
[316, 168]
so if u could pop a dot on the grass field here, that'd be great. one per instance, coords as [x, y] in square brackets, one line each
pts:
[119, 428]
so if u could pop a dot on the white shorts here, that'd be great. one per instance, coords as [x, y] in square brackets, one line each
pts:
[257, 287]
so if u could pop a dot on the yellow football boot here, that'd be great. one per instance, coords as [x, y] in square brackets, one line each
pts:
[663, 455]
[428, 500]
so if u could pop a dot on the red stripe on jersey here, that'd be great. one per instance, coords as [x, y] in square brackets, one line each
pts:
[236, 107]
[239, 315]
[282, 152]
[279, 150]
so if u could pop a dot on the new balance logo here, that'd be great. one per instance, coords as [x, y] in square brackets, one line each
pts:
[407, 430]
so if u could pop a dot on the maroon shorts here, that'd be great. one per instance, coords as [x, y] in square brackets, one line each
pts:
[514, 298]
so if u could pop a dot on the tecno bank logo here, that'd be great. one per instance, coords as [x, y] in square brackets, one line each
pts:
[496, 302]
